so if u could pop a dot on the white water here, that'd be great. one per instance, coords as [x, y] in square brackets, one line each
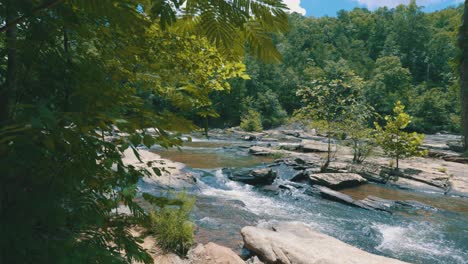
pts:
[391, 235]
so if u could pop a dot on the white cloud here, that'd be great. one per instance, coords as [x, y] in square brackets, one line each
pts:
[373, 4]
[295, 6]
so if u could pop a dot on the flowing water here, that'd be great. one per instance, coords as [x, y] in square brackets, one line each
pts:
[435, 235]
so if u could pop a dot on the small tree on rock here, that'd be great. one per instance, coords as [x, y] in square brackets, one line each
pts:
[395, 142]
[327, 102]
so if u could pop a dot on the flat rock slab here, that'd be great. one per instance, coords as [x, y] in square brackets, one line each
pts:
[336, 180]
[262, 151]
[315, 146]
[296, 243]
[335, 196]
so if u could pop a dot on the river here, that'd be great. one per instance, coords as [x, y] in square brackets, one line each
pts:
[223, 207]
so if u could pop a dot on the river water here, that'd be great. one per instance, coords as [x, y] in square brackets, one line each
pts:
[223, 207]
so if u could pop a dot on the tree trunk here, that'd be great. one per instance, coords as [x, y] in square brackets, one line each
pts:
[8, 90]
[463, 43]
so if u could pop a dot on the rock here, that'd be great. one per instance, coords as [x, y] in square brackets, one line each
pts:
[456, 146]
[296, 243]
[369, 203]
[294, 133]
[415, 205]
[269, 139]
[260, 151]
[248, 137]
[336, 196]
[212, 253]
[254, 260]
[315, 146]
[299, 177]
[286, 187]
[336, 180]
[289, 146]
[170, 258]
[377, 203]
[273, 189]
[173, 174]
[459, 159]
[263, 176]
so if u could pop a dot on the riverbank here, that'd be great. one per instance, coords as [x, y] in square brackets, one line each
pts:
[435, 172]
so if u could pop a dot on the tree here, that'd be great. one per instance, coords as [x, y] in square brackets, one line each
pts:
[358, 131]
[390, 82]
[90, 70]
[463, 44]
[395, 142]
[328, 103]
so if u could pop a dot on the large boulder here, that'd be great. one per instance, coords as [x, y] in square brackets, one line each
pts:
[212, 253]
[336, 180]
[296, 243]
[263, 176]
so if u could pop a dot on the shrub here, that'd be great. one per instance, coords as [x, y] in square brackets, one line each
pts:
[251, 121]
[395, 142]
[171, 226]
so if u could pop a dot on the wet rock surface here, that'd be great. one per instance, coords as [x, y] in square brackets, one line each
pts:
[254, 177]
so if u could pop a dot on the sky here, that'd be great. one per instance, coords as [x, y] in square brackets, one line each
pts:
[318, 8]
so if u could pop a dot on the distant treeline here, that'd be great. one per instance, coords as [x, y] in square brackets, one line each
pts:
[401, 54]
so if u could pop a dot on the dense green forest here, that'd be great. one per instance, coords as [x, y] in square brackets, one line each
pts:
[400, 54]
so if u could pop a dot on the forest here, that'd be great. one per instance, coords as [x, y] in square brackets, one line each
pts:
[399, 54]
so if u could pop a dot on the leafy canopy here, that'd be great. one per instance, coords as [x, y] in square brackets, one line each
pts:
[86, 80]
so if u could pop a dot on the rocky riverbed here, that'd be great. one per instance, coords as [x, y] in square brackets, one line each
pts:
[271, 179]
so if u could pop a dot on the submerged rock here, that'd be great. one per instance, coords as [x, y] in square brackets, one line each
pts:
[263, 176]
[377, 203]
[296, 243]
[212, 253]
[336, 180]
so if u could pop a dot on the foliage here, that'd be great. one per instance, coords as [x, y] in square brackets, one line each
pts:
[171, 225]
[401, 54]
[358, 132]
[81, 82]
[390, 83]
[252, 121]
[395, 142]
[431, 111]
[330, 102]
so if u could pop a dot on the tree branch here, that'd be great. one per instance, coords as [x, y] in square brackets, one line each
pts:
[20, 19]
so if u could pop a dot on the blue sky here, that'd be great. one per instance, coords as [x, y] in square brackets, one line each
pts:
[330, 7]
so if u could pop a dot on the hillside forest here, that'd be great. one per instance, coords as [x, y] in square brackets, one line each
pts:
[401, 54]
